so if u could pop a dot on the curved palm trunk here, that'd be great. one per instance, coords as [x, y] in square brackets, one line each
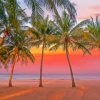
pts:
[12, 70]
[2, 39]
[41, 66]
[70, 67]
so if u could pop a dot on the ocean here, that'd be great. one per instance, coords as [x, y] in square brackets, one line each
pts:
[51, 76]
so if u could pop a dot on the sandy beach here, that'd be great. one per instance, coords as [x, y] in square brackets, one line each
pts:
[52, 90]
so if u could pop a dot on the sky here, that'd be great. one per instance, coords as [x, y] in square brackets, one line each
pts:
[55, 62]
[87, 8]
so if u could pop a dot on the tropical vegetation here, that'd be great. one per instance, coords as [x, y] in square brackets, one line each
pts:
[19, 32]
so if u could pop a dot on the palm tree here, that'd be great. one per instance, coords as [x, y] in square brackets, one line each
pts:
[19, 49]
[42, 27]
[69, 36]
[93, 33]
[12, 17]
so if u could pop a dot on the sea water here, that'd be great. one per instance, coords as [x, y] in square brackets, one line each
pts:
[51, 76]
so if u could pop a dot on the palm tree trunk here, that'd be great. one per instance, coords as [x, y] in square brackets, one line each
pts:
[41, 66]
[70, 67]
[12, 70]
[3, 38]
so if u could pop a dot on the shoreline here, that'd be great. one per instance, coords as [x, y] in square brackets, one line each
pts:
[51, 77]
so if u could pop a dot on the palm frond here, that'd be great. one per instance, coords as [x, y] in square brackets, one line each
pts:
[81, 24]
[35, 6]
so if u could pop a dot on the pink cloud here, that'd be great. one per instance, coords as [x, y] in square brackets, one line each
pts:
[95, 7]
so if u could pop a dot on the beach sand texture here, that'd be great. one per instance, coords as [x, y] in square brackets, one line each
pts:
[52, 90]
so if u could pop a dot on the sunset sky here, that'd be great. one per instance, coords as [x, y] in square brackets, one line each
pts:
[56, 62]
[87, 8]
